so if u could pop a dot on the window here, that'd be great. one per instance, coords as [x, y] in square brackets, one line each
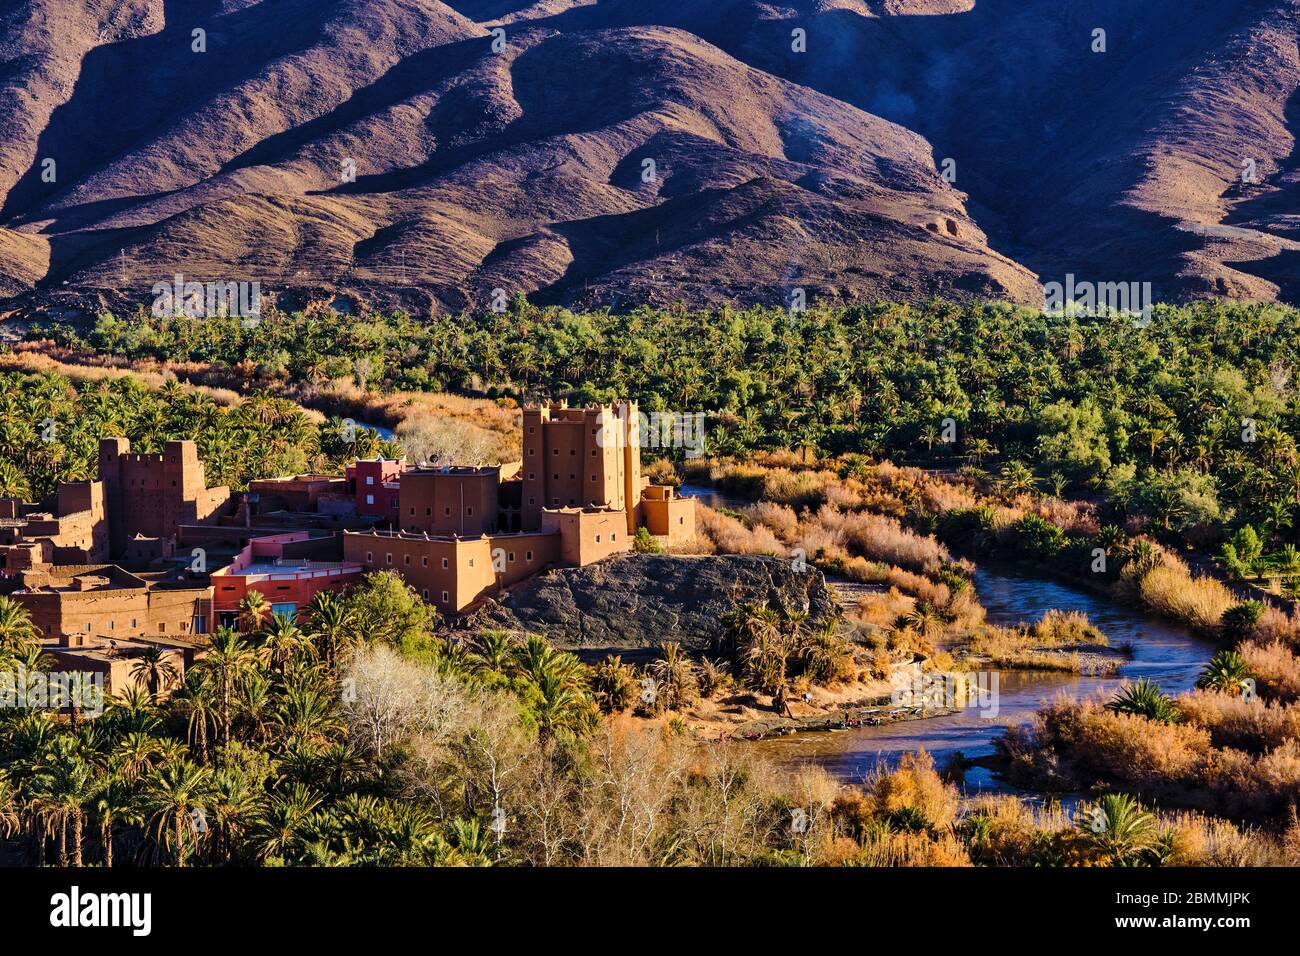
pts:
[593, 453]
[469, 511]
[424, 562]
[471, 562]
[110, 625]
[446, 512]
[598, 539]
[133, 622]
[613, 536]
[572, 476]
[593, 478]
[87, 627]
[428, 512]
[407, 560]
[370, 499]
[162, 628]
[555, 451]
[532, 451]
[681, 519]
[532, 501]
[370, 479]
[445, 597]
[444, 563]
[200, 625]
[389, 557]
[531, 429]
[424, 593]
[531, 476]
[574, 451]
[370, 557]
[528, 555]
[412, 512]
[394, 504]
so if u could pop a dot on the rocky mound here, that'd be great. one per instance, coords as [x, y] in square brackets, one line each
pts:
[641, 601]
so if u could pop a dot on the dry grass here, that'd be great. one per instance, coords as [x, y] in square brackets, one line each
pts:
[1170, 589]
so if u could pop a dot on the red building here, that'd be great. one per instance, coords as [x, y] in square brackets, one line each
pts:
[278, 567]
[376, 484]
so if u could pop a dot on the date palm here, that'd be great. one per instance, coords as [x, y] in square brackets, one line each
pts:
[170, 795]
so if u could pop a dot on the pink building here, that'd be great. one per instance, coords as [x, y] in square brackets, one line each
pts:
[287, 580]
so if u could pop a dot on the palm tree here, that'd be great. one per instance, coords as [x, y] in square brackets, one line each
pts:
[1227, 671]
[674, 673]
[17, 632]
[1144, 699]
[253, 611]
[155, 669]
[280, 828]
[494, 650]
[224, 665]
[329, 622]
[1119, 827]
[170, 796]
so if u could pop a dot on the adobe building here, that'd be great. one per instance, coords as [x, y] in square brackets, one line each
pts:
[153, 495]
[102, 600]
[578, 497]
[113, 661]
[76, 532]
[287, 569]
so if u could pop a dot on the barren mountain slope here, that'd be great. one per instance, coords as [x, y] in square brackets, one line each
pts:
[647, 150]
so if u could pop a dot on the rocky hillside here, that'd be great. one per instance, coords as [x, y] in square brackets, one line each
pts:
[627, 151]
[640, 601]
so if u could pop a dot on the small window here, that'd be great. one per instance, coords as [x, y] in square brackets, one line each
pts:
[370, 479]
[162, 628]
[470, 511]
[445, 597]
[133, 622]
[471, 562]
[531, 429]
[613, 536]
[532, 501]
[555, 451]
[510, 556]
[531, 476]
[389, 556]
[424, 562]
[598, 539]
[406, 560]
[370, 499]
[574, 451]
[424, 593]
[412, 512]
[370, 557]
[532, 451]
[446, 512]
[444, 563]
[572, 476]
[593, 453]
[394, 504]
[528, 555]
[428, 512]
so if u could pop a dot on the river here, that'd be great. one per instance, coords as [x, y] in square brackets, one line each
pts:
[1166, 653]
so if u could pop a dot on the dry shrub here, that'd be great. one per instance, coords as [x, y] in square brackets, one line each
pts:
[913, 785]
[1132, 750]
[884, 539]
[1198, 840]
[730, 536]
[798, 489]
[1013, 647]
[1276, 669]
[888, 848]
[1274, 625]
[1067, 627]
[1234, 721]
[778, 518]
[1172, 591]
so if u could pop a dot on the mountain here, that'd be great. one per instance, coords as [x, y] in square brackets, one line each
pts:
[628, 151]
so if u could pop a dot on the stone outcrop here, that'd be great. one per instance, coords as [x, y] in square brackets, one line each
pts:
[641, 601]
